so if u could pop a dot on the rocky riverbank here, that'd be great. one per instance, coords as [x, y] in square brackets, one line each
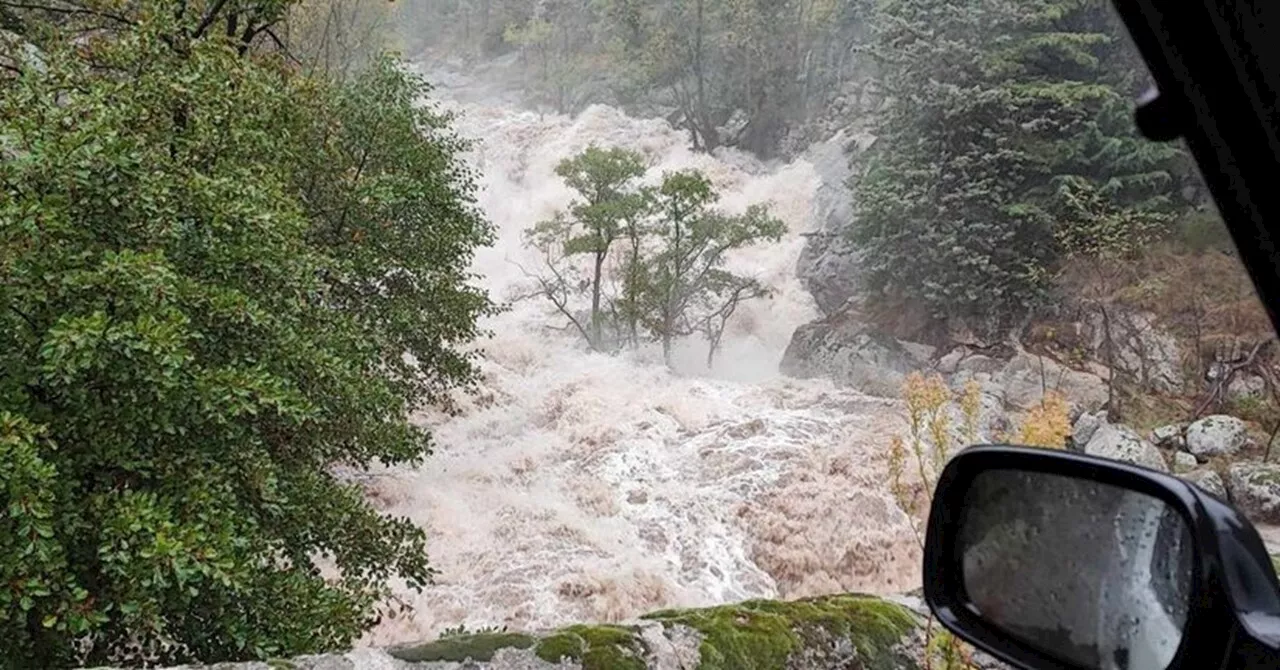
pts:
[842, 631]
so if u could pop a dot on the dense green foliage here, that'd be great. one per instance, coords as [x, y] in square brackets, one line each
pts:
[612, 206]
[663, 247]
[769, 634]
[1009, 143]
[219, 280]
[737, 72]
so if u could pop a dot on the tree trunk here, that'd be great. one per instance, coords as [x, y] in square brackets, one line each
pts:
[701, 118]
[633, 291]
[595, 301]
[713, 345]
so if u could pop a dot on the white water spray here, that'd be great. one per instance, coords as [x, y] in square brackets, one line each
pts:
[581, 486]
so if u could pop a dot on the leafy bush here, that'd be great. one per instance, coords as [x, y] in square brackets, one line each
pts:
[1046, 424]
[211, 272]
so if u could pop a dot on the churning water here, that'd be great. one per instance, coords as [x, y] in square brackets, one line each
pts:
[580, 486]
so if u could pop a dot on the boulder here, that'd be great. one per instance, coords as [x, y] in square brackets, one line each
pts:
[1086, 425]
[1217, 435]
[1184, 462]
[1208, 480]
[922, 354]
[1255, 490]
[979, 364]
[1246, 386]
[845, 350]
[950, 362]
[1026, 377]
[1170, 436]
[1140, 347]
[1121, 443]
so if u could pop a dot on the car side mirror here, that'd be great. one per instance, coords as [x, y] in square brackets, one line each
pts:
[1056, 560]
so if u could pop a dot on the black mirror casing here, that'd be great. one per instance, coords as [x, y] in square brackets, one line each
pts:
[1233, 618]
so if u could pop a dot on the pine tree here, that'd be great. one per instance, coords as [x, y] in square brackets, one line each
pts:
[1003, 114]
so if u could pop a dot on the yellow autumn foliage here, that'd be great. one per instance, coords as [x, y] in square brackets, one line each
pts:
[1046, 425]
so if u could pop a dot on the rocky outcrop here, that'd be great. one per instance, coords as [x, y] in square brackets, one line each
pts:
[843, 349]
[830, 265]
[1255, 490]
[1217, 435]
[1027, 377]
[843, 631]
[1085, 426]
[1139, 347]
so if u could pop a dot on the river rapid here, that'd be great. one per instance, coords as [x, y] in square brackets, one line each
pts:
[580, 486]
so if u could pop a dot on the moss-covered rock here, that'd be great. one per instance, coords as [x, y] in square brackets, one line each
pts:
[851, 632]
[771, 635]
[478, 647]
[595, 647]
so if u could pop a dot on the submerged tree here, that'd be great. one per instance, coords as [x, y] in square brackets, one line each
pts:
[685, 286]
[612, 205]
[218, 280]
[666, 246]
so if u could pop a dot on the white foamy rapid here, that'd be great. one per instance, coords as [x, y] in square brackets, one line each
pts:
[583, 486]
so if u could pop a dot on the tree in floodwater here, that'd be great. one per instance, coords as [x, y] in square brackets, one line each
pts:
[666, 248]
[611, 205]
[685, 288]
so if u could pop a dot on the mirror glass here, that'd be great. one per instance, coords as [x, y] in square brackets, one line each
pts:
[1089, 573]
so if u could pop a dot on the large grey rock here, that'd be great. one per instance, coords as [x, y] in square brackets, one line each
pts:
[950, 362]
[1169, 437]
[1140, 347]
[979, 364]
[1184, 462]
[1246, 386]
[830, 266]
[1216, 435]
[1209, 480]
[1255, 490]
[844, 350]
[1085, 426]
[1026, 378]
[1121, 443]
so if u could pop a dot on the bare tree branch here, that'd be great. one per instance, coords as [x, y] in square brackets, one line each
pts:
[209, 18]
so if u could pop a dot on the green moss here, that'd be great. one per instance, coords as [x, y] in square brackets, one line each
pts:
[478, 647]
[596, 647]
[763, 634]
[1261, 477]
[1275, 563]
[560, 645]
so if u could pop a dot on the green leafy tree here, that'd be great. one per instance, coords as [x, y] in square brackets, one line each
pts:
[612, 205]
[219, 280]
[671, 278]
[1001, 114]
[686, 289]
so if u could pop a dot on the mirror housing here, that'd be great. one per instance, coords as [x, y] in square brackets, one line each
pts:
[1230, 590]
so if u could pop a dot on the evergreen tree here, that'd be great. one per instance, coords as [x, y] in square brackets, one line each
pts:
[1002, 115]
